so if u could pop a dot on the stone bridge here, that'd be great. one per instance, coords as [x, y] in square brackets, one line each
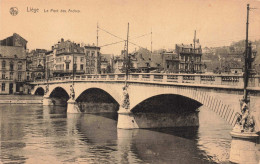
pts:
[156, 100]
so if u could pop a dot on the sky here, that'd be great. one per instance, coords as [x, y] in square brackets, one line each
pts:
[217, 22]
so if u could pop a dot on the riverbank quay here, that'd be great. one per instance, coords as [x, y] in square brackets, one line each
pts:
[20, 99]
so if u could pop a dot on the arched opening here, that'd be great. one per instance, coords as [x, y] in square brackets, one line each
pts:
[167, 103]
[59, 96]
[39, 76]
[95, 100]
[39, 91]
[167, 110]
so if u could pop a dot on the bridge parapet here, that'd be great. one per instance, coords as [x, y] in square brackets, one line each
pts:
[233, 81]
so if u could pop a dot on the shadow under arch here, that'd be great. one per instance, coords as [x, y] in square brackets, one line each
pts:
[167, 103]
[39, 91]
[167, 110]
[98, 101]
[59, 96]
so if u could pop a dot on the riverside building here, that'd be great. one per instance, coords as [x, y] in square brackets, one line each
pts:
[64, 56]
[190, 58]
[13, 65]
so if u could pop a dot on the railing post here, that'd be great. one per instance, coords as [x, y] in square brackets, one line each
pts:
[218, 80]
[151, 77]
[180, 78]
[139, 77]
[164, 78]
[197, 79]
[241, 81]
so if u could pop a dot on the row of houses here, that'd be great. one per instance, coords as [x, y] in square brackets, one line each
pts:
[184, 59]
[18, 66]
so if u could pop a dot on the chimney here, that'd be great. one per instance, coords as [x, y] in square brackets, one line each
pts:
[52, 47]
[62, 40]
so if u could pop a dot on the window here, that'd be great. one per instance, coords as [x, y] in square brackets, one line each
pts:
[67, 66]
[3, 75]
[19, 76]
[11, 66]
[20, 65]
[11, 75]
[92, 71]
[75, 67]
[81, 67]
[3, 86]
[87, 53]
[3, 64]
[81, 59]
[92, 53]
[87, 71]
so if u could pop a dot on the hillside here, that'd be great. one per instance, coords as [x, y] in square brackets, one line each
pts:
[229, 56]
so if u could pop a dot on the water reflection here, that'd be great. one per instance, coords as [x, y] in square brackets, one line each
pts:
[50, 135]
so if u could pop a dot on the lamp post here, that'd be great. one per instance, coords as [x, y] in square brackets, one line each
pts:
[243, 145]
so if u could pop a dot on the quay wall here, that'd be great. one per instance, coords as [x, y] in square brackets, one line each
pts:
[20, 99]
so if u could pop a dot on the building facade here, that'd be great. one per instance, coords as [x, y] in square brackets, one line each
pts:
[190, 58]
[65, 59]
[170, 62]
[68, 58]
[49, 64]
[13, 65]
[93, 59]
[106, 63]
[36, 64]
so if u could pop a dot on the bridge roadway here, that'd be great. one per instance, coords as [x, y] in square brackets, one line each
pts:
[220, 93]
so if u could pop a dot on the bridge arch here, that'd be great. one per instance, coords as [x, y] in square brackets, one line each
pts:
[102, 95]
[58, 92]
[59, 96]
[167, 103]
[222, 106]
[54, 88]
[96, 100]
[110, 89]
[39, 91]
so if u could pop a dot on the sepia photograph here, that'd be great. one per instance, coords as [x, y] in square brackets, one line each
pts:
[130, 81]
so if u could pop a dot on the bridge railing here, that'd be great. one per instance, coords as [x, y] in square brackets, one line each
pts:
[203, 79]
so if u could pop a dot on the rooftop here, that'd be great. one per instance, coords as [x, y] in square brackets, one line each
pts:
[12, 52]
[189, 45]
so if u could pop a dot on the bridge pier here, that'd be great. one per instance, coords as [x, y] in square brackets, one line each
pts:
[126, 119]
[72, 106]
[47, 101]
[243, 147]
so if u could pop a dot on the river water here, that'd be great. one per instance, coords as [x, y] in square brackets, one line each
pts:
[42, 134]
